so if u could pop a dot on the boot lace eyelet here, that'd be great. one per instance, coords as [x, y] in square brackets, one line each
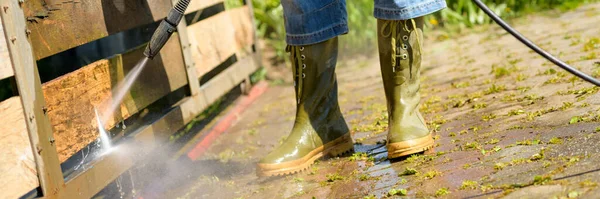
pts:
[404, 56]
[302, 48]
[405, 37]
[404, 46]
[303, 66]
[302, 57]
[303, 75]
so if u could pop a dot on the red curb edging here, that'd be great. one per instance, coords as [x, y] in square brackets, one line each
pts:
[228, 120]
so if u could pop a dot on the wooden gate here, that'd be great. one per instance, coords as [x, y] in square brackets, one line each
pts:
[65, 58]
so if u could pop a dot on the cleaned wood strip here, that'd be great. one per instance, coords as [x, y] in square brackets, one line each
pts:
[58, 25]
[6, 69]
[215, 39]
[196, 5]
[71, 98]
[19, 174]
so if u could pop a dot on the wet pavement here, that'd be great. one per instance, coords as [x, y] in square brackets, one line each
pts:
[507, 123]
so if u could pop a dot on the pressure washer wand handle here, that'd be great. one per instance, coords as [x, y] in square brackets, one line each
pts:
[166, 28]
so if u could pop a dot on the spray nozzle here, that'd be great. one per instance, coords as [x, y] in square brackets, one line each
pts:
[166, 28]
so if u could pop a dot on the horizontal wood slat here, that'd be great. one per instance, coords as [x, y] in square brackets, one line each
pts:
[196, 5]
[58, 25]
[6, 69]
[215, 39]
[71, 98]
[19, 174]
[229, 78]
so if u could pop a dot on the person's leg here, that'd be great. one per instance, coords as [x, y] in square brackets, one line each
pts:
[312, 27]
[400, 42]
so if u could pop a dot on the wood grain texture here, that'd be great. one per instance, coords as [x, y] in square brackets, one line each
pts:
[19, 174]
[215, 39]
[71, 98]
[6, 69]
[196, 5]
[58, 25]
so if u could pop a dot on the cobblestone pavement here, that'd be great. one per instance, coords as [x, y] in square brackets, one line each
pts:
[507, 123]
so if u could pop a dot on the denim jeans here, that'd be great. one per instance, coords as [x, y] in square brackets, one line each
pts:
[313, 21]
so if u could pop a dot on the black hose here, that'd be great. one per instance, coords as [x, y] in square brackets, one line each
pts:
[534, 47]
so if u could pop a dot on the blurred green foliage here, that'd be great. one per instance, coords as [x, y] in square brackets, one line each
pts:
[459, 15]
[464, 13]
[270, 26]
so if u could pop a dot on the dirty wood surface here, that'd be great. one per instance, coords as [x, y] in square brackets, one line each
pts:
[507, 124]
[215, 39]
[17, 167]
[6, 69]
[57, 26]
[71, 98]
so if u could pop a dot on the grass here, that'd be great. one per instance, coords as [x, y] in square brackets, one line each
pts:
[334, 177]
[408, 171]
[492, 141]
[591, 44]
[397, 192]
[442, 192]
[541, 180]
[494, 89]
[499, 166]
[555, 140]
[501, 71]
[468, 184]
[431, 174]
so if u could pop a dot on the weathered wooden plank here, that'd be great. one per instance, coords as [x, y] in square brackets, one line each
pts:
[58, 25]
[229, 78]
[215, 39]
[71, 98]
[196, 5]
[19, 174]
[32, 98]
[6, 69]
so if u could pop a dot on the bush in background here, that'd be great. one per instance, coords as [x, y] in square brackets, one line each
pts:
[465, 14]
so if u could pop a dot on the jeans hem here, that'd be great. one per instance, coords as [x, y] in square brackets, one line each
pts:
[317, 37]
[410, 12]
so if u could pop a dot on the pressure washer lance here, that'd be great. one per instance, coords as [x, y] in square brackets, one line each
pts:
[166, 28]
[534, 47]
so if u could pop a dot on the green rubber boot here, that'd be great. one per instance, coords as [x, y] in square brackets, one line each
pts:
[319, 128]
[400, 47]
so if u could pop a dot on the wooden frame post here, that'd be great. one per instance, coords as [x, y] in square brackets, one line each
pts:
[190, 67]
[32, 98]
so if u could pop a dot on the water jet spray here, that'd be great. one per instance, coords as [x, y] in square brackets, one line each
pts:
[160, 37]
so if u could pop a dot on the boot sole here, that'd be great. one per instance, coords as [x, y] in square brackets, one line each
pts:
[409, 147]
[334, 148]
